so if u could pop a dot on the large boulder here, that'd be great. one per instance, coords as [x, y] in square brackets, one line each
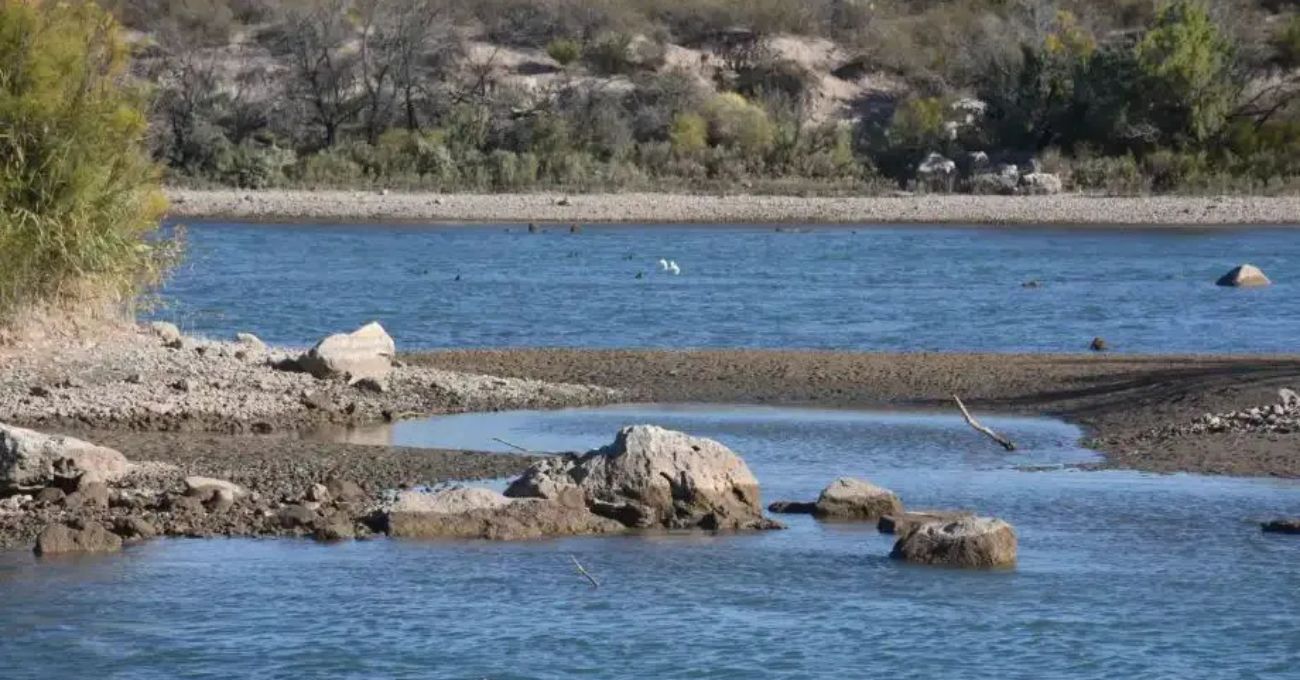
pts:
[1244, 276]
[205, 487]
[167, 332]
[849, 498]
[972, 542]
[364, 353]
[483, 513]
[88, 537]
[31, 460]
[904, 523]
[652, 477]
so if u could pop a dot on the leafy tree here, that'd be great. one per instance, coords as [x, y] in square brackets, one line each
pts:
[1185, 63]
[79, 197]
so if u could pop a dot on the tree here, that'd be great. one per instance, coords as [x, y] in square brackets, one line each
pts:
[395, 36]
[1185, 63]
[314, 35]
[79, 196]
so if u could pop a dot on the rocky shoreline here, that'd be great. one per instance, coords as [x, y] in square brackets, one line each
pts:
[649, 208]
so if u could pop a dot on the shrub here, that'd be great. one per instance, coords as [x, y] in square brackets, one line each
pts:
[79, 197]
[331, 167]
[564, 51]
[689, 133]
[1112, 175]
[736, 122]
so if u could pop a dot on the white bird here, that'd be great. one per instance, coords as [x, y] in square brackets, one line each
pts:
[672, 267]
[663, 264]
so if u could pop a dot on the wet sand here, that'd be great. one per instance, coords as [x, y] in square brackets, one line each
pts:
[1061, 210]
[1136, 409]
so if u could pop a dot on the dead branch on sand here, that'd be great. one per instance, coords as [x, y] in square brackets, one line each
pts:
[513, 446]
[970, 420]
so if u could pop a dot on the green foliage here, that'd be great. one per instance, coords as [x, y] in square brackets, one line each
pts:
[738, 123]
[689, 133]
[1118, 175]
[1185, 61]
[1286, 42]
[79, 197]
[564, 51]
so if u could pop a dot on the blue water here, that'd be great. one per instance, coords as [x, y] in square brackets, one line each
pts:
[1121, 575]
[909, 288]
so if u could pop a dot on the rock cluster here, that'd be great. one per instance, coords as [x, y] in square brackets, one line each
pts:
[1282, 417]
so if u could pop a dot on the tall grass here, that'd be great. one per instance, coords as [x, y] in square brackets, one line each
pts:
[80, 199]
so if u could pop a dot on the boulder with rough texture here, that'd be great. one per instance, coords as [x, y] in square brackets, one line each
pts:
[1286, 525]
[849, 498]
[1040, 184]
[250, 341]
[89, 537]
[205, 487]
[483, 513]
[653, 477]
[971, 542]
[1244, 276]
[31, 460]
[903, 523]
[364, 353]
[167, 332]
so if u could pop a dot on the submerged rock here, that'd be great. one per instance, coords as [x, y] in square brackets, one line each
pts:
[88, 537]
[483, 513]
[971, 542]
[849, 498]
[364, 353]
[793, 507]
[903, 523]
[1285, 525]
[653, 477]
[30, 460]
[1244, 276]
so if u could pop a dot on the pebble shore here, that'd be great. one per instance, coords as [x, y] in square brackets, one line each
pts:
[1063, 209]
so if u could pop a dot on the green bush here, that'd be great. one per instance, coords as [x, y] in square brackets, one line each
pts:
[689, 133]
[79, 197]
[1117, 175]
[738, 123]
[564, 51]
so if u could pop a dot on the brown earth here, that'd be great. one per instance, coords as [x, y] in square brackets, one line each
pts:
[1132, 407]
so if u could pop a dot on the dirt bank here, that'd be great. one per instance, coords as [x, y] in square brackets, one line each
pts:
[650, 208]
[1142, 411]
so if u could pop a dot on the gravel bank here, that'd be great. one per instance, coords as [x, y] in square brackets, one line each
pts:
[634, 207]
[1141, 411]
[132, 379]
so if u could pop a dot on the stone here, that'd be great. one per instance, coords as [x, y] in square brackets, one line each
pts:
[219, 500]
[482, 513]
[1286, 525]
[1098, 345]
[364, 353]
[50, 495]
[93, 495]
[134, 528]
[936, 173]
[970, 542]
[250, 341]
[653, 477]
[903, 523]
[296, 517]
[167, 332]
[90, 537]
[371, 385]
[316, 400]
[1040, 184]
[204, 487]
[345, 491]
[1290, 400]
[135, 379]
[183, 505]
[1244, 276]
[183, 385]
[849, 498]
[318, 493]
[39, 391]
[792, 507]
[31, 460]
[335, 530]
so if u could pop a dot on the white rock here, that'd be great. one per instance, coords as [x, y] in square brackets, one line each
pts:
[30, 459]
[1244, 276]
[364, 353]
[199, 486]
[450, 501]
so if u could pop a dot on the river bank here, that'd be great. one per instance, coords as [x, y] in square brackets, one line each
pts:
[1063, 210]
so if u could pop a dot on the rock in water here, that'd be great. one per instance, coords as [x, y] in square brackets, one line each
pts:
[1098, 345]
[792, 508]
[90, 537]
[848, 498]
[364, 353]
[903, 523]
[652, 477]
[1282, 526]
[972, 542]
[32, 460]
[1244, 276]
[483, 513]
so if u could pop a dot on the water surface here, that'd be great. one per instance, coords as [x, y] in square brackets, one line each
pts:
[868, 288]
[1121, 574]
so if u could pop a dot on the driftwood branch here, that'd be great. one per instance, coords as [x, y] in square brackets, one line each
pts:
[513, 446]
[970, 420]
[582, 570]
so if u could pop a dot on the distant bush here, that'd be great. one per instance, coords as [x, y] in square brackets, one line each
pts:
[564, 51]
[689, 133]
[739, 123]
[79, 197]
